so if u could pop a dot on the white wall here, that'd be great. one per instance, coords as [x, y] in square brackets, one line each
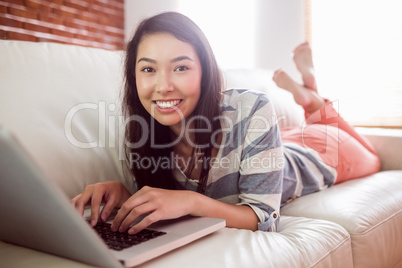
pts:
[137, 10]
[279, 27]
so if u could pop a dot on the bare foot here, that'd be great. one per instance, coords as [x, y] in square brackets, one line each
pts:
[307, 98]
[303, 58]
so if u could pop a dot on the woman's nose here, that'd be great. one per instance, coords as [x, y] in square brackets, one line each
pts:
[164, 83]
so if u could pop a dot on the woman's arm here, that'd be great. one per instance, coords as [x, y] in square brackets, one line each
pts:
[170, 204]
[236, 216]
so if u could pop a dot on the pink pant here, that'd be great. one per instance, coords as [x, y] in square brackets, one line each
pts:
[337, 143]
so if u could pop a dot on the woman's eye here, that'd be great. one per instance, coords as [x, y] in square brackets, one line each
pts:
[181, 68]
[147, 70]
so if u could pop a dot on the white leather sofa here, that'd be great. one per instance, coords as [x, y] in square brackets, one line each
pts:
[62, 103]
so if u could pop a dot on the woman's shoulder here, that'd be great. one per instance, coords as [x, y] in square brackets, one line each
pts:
[243, 97]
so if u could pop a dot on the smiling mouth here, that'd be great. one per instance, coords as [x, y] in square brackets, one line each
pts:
[167, 104]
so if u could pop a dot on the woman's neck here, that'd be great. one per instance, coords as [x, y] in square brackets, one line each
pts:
[183, 139]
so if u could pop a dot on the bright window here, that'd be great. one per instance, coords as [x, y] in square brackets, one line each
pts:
[357, 49]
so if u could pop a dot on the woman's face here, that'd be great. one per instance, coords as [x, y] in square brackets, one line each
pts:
[168, 73]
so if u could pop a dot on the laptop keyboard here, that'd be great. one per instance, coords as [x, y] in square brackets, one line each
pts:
[119, 241]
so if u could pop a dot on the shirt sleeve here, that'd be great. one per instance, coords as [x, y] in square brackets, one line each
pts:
[262, 164]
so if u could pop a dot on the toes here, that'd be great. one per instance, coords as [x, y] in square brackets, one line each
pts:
[302, 47]
[280, 77]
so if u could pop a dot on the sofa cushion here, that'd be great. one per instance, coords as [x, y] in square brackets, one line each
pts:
[370, 209]
[17, 256]
[387, 143]
[301, 242]
[58, 100]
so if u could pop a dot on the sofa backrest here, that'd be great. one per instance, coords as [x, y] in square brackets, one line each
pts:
[62, 104]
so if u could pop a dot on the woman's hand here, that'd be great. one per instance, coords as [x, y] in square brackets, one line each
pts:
[159, 204]
[112, 193]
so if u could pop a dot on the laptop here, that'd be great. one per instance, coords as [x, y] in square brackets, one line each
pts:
[37, 214]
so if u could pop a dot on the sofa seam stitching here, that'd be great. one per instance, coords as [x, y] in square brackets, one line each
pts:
[334, 250]
[377, 225]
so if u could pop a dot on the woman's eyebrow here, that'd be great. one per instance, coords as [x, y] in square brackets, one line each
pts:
[180, 58]
[146, 60]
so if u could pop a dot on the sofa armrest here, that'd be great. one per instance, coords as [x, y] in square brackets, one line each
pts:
[388, 144]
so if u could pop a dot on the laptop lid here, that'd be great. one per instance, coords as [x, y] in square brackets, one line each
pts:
[38, 215]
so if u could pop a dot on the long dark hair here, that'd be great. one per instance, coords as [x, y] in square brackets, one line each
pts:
[206, 111]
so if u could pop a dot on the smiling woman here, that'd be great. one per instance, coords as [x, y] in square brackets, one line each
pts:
[169, 60]
[216, 153]
[169, 87]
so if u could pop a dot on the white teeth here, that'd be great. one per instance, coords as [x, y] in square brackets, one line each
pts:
[167, 104]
